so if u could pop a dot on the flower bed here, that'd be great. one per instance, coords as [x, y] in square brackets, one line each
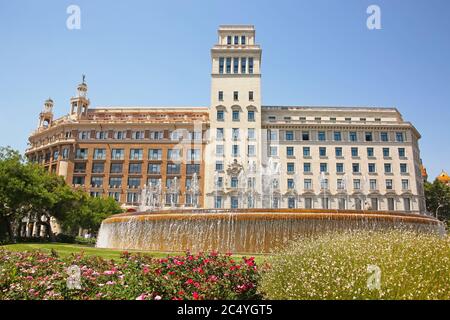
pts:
[35, 275]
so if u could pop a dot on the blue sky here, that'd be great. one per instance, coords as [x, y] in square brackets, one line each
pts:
[157, 53]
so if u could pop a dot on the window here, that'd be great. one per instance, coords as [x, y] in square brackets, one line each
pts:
[354, 151]
[243, 65]
[133, 197]
[219, 166]
[353, 137]
[135, 168]
[218, 202]
[98, 167]
[321, 136]
[84, 135]
[372, 168]
[135, 154]
[323, 167]
[308, 203]
[116, 168]
[78, 180]
[115, 182]
[357, 184]
[80, 167]
[389, 184]
[234, 182]
[228, 66]
[338, 151]
[81, 154]
[290, 151]
[235, 65]
[290, 167]
[220, 115]
[289, 135]
[251, 116]
[235, 115]
[175, 135]
[219, 182]
[403, 168]
[235, 150]
[339, 167]
[373, 184]
[369, 136]
[387, 168]
[193, 168]
[193, 155]
[65, 153]
[325, 203]
[235, 95]
[137, 135]
[154, 168]
[156, 135]
[306, 151]
[358, 204]
[99, 154]
[386, 152]
[384, 136]
[399, 137]
[322, 151]
[234, 202]
[250, 65]
[370, 152]
[291, 202]
[340, 185]
[117, 154]
[251, 134]
[235, 134]
[219, 134]
[220, 97]
[236, 40]
[173, 168]
[342, 204]
[305, 135]
[229, 40]
[308, 184]
[243, 40]
[273, 151]
[250, 95]
[174, 154]
[337, 136]
[251, 150]
[290, 184]
[391, 204]
[155, 154]
[272, 135]
[401, 152]
[307, 167]
[55, 155]
[407, 204]
[96, 182]
[374, 204]
[355, 167]
[221, 63]
[101, 135]
[120, 135]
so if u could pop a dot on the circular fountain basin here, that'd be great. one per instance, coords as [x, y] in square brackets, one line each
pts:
[244, 230]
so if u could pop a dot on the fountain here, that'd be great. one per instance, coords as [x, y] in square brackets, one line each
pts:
[243, 230]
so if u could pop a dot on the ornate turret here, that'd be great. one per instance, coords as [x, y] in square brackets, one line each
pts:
[80, 103]
[46, 115]
[444, 178]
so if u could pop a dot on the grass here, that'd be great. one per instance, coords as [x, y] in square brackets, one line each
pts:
[347, 266]
[66, 249]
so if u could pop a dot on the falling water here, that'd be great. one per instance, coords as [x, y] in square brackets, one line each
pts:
[255, 231]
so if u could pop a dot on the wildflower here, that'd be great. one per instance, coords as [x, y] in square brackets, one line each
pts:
[157, 298]
[142, 297]
[195, 295]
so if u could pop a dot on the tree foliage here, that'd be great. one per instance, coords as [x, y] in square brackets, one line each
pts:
[437, 195]
[28, 191]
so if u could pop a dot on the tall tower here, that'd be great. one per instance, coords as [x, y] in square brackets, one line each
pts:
[233, 154]
[79, 105]
[46, 116]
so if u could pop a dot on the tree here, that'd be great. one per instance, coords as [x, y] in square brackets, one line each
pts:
[437, 195]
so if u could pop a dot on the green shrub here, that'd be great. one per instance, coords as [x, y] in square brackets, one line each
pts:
[86, 241]
[335, 266]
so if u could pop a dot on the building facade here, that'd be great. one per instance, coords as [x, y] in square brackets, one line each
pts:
[237, 152]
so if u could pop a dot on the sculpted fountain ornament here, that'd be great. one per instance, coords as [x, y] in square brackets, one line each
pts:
[245, 230]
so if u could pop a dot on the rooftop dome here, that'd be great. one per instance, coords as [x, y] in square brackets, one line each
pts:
[443, 177]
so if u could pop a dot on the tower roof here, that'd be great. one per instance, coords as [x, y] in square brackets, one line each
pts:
[443, 177]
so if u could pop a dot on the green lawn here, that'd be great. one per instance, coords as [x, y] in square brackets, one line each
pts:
[65, 249]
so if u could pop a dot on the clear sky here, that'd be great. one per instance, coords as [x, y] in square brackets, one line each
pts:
[316, 52]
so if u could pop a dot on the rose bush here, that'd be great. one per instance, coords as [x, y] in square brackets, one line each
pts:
[35, 275]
